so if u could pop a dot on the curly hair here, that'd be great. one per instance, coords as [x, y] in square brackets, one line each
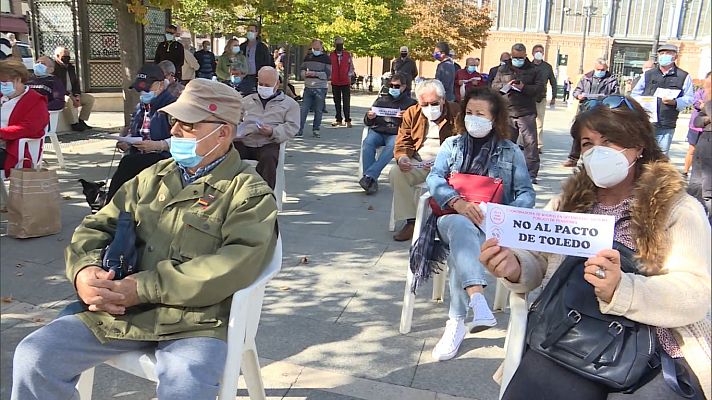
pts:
[499, 108]
[626, 127]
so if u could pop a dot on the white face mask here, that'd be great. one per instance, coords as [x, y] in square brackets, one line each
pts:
[539, 56]
[265, 92]
[477, 127]
[432, 112]
[605, 166]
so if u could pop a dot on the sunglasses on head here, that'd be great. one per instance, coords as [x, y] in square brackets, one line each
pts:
[612, 101]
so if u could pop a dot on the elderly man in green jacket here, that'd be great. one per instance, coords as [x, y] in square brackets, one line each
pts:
[205, 226]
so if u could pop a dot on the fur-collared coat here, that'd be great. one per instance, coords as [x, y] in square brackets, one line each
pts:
[672, 237]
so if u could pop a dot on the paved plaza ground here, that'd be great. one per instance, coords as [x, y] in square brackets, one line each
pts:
[329, 327]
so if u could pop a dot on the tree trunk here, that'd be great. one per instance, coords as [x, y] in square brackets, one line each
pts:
[130, 33]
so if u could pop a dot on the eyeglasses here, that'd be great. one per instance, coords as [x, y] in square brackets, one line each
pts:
[612, 101]
[394, 86]
[435, 103]
[189, 126]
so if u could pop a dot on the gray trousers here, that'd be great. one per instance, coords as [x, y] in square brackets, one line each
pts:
[48, 362]
[523, 130]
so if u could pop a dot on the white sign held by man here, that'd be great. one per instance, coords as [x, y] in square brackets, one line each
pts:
[573, 234]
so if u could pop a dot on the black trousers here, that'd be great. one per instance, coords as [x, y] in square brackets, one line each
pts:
[130, 166]
[3, 156]
[538, 378]
[267, 158]
[342, 92]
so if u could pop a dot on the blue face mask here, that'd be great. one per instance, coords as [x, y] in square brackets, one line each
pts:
[665, 59]
[7, 88]
[183, 150]
[518, 62]
[235, 49]
[40, 69]
[235, 79]
[471, 69]
[147, 97]
[394, 92]
[599, 74]
[316, 53]
[437, 55]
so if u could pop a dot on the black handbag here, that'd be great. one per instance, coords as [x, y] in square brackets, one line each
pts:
[566, 326]
[120, 255]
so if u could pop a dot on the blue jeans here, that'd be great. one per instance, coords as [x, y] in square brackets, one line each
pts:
[374, 140]
[664, 138]
[313, 98]
[463, 262]
[48, 362]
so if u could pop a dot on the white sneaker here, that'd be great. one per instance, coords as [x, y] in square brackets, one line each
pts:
[448, 345]
[483, 318]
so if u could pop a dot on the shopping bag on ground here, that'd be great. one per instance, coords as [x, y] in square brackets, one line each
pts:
[33, 207]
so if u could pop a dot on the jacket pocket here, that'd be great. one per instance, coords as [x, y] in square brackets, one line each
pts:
[200, 235]
[172, 320]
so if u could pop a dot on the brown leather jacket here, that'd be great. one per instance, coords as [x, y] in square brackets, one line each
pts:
[414, 129]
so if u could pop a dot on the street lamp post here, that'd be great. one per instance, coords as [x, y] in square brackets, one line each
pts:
[588, 11]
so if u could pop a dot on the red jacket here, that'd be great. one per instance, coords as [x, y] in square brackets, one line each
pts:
[463, 75]
[340, 71]
[28, 120]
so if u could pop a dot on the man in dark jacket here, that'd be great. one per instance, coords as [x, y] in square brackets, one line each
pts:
[594, 84]
[548, 73]
[677, 93]
[47, 84]
[445, 72]
[257, 53]
[406, 67]
[65, 71]
[521, 82]
[383, 129]
[503, 59]
[171, 50]
[342, 69]
[206, 60]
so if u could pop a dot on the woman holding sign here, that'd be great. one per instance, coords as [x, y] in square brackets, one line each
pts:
[482, 149]
[661, 232]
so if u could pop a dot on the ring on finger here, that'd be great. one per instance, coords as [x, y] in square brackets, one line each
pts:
[600, 273]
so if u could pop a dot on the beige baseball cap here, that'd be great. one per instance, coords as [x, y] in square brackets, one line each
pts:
[204, 98]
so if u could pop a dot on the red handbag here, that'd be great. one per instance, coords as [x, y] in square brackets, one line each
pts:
[473, 189]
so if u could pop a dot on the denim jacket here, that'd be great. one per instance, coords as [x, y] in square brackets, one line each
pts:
[507, 163]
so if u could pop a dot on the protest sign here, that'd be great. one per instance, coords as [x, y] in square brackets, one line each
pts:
[666, 93]
[573, 234]
[385, 112]
[650, 104]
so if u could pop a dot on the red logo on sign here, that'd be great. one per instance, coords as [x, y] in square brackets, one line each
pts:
[213, 107]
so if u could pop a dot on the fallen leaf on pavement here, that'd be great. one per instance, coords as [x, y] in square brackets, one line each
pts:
[67, 197]
[7, 299]
[284, 288]
[304, 260]
[370, 208]
[37, 319]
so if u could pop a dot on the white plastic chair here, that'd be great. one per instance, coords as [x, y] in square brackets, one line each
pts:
[52, 134]
[514, 341]
[34, 146]
[280, 193]
[438, 279]
[242, 328]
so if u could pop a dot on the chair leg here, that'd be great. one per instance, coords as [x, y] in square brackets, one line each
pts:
[85, 386]
[439, 285]
[4, 197]
[392, 219]
[408, 304]
[57, 149]
[500, 297]
[252, 374]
